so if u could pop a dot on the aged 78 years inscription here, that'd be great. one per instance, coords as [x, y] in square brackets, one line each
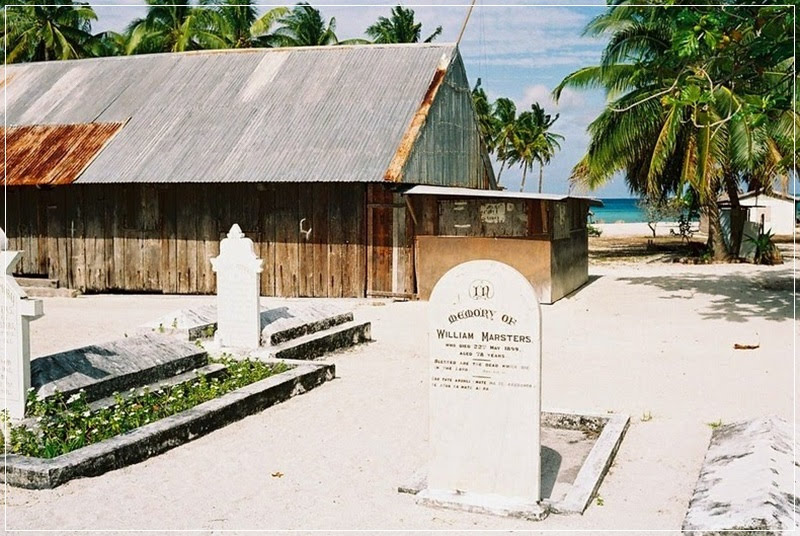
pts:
[485, 373]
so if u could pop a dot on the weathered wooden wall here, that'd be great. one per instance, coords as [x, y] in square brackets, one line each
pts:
[158, 238]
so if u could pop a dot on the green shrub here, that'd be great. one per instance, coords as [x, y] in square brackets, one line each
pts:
[592, 230]
[65, 425]
[766, 250]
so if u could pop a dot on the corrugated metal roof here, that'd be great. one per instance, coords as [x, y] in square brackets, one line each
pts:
[261, 115]
[52, 154]
[495, 194]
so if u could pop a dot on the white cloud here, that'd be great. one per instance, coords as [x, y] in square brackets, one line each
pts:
[570, 99]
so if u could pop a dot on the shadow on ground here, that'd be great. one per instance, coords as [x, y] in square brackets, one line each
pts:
[735, 297]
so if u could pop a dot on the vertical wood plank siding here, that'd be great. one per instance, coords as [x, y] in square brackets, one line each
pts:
[154, 238]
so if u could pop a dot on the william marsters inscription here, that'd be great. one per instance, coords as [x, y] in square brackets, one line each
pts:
[485, 373]
[490, 358]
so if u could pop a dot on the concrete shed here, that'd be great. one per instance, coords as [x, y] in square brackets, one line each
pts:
[543, 236]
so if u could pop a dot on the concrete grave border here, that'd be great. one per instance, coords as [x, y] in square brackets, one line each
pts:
[611, 429]
[165, 434]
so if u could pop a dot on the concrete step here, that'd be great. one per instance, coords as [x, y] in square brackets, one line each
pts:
[36, 282]
[319, 343]
[213, 370]
[49, 292]
[295, 332]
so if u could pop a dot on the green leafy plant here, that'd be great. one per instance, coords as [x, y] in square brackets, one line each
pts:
[65, 424]
[209, 331]
[766, 250]
[592, 230]
[714, 425]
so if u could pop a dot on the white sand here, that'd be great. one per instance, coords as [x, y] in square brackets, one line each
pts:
[636, 229]
[655, 338]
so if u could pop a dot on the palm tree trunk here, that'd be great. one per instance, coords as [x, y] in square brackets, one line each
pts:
[716, 242]
[524, 174]
[737, 213]
[541, 168]
[497, 179]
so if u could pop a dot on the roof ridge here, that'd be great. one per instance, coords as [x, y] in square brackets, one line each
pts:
[255, 50]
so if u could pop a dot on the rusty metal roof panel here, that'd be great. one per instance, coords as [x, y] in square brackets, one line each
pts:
[52, 154]
[262, 115]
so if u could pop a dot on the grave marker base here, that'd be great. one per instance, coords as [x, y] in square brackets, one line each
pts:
[483, 504]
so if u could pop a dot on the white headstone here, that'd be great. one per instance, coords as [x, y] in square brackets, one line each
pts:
[17, 311]
[238, 272]
[485, 391]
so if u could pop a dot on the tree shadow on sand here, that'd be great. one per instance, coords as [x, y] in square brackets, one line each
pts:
[735, 297]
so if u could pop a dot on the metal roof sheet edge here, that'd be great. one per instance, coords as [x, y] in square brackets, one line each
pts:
[216, 51]
[425, 189]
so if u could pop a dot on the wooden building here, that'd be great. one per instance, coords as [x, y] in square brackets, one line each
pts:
[124, 173]
[357, 171]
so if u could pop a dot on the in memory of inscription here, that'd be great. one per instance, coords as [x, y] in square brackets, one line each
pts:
[238, 272]
[485, 393]
[17, 312]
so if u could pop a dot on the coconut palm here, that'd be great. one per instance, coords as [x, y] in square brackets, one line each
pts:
[400, 27]
[239, 25]
[505, 115]
[54, 32]
[304, 26]
[108, 44]
[530, 141]
[487, 123]
[174, 26]
[696, 97]
[548, 141]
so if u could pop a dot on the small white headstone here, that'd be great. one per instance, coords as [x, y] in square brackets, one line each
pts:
[485, 391]
[238, 272]
[17, 311]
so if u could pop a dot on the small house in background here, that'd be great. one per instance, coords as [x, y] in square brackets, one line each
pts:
[770, 211]
[124, 173]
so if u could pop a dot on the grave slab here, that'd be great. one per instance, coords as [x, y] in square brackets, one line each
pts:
[746, 483]
[165, 434]
[117, 365]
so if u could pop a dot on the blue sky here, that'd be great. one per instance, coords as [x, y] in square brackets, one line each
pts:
[519, 51]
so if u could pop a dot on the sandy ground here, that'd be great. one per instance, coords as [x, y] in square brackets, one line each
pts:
[636, 229]
[643, 338]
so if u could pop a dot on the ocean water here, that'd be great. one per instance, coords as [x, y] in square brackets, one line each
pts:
[617, 209]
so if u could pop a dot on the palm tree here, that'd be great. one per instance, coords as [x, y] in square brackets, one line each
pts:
[41, 33]
[487, 124]
[400, 27]
[505, 117]
[108, 44]
[173, 26]
[684, 108]
[238, 24]
[304, 26]
[530, 141]
[548, 141]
